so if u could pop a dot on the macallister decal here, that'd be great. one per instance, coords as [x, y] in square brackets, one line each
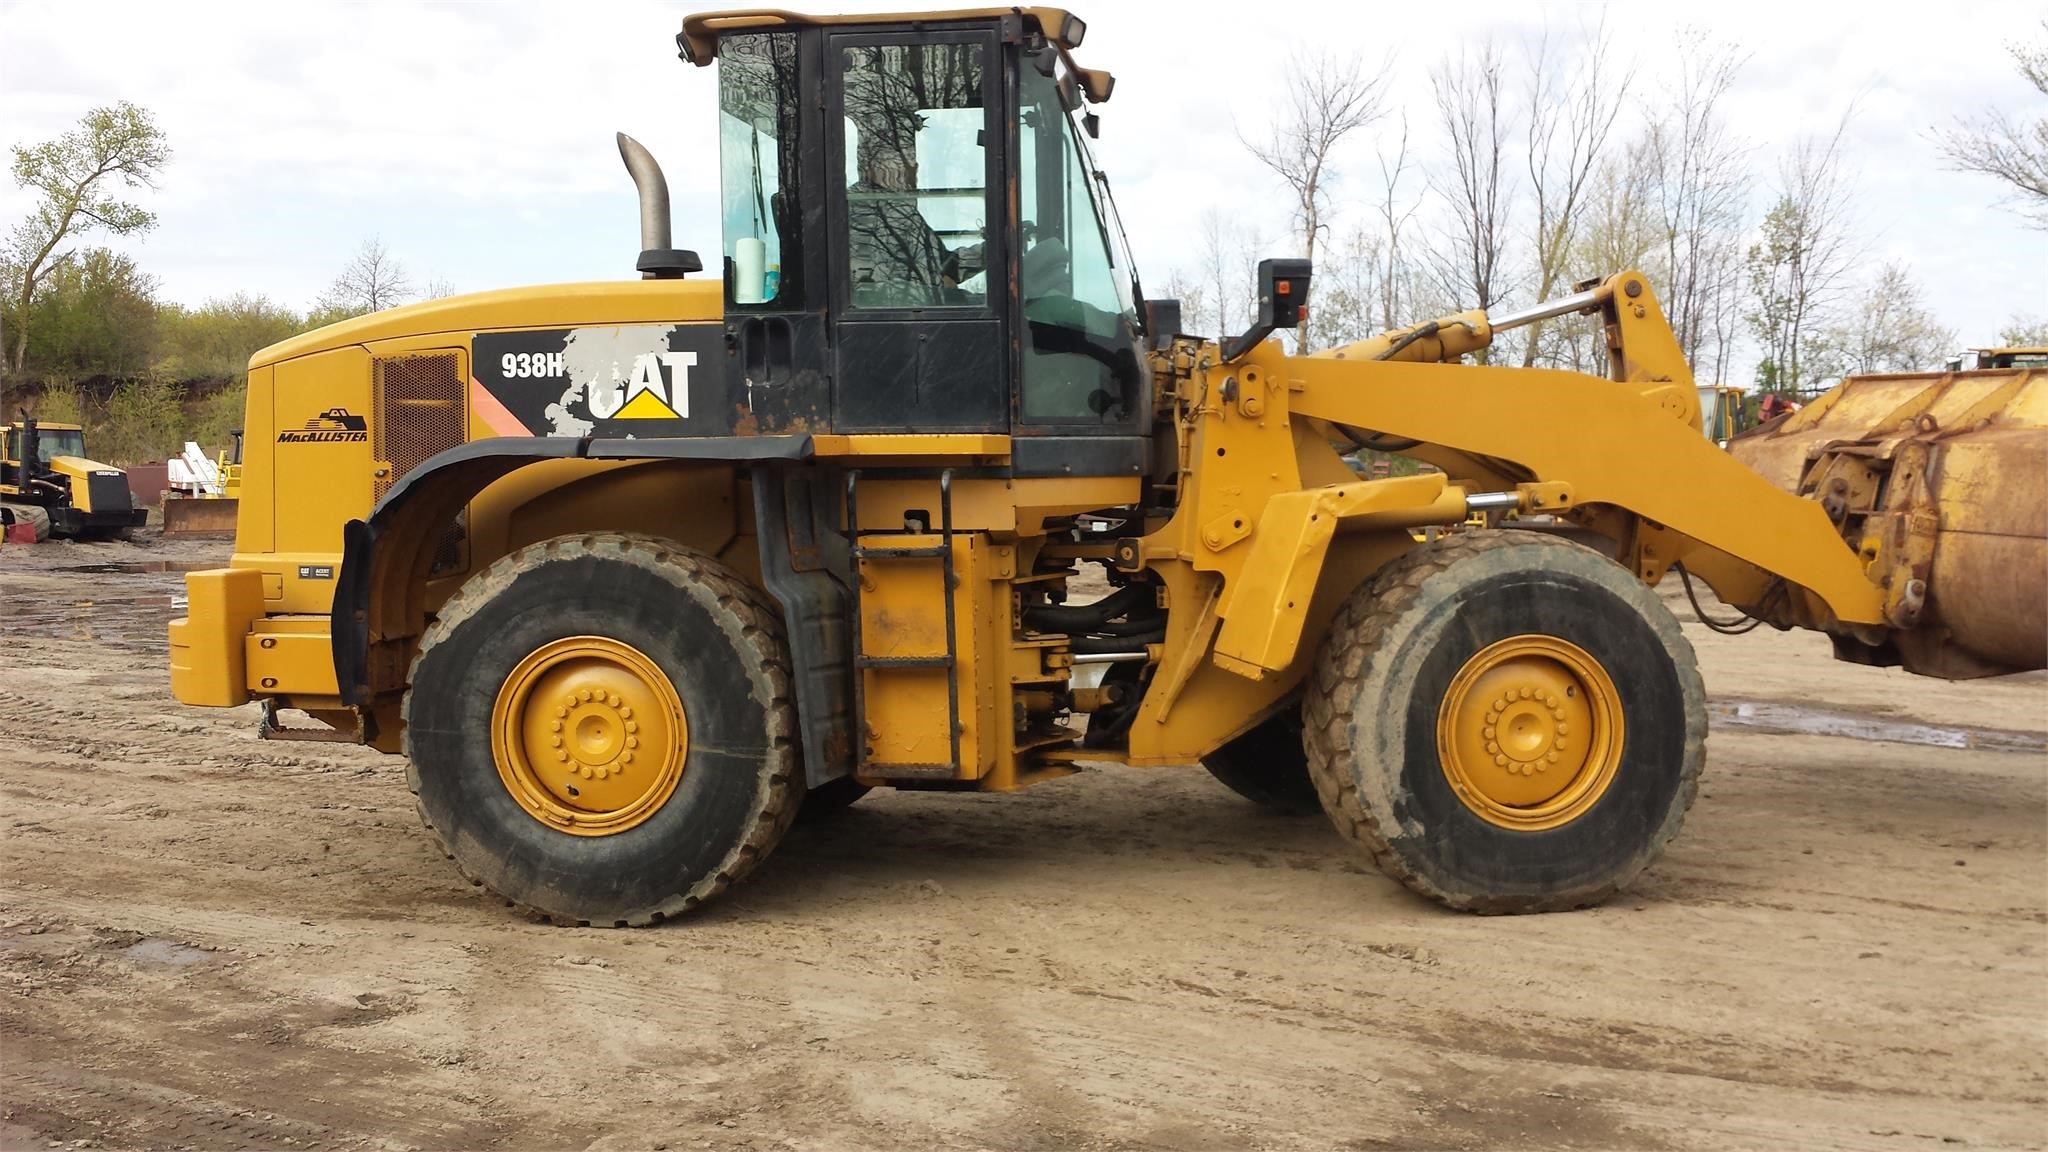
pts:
[334, 426]
[635, 380]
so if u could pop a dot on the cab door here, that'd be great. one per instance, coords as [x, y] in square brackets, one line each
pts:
[914, 169]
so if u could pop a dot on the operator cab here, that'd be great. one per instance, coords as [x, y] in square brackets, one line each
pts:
[916, 239]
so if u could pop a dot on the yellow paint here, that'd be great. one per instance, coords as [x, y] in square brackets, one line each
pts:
[936, 444]
[645, 406]
[1265, 609]
[589, 736]
[1530, 733]
[290, 656]
[208, 661]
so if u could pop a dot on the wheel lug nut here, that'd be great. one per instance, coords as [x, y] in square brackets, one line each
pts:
[584, 770]
[626, 712]
[632, 725]
[632, 741]
[1500, 761]
[1552, 758]
[1492, 747]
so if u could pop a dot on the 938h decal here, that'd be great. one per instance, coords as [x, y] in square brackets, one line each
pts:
[637, 380]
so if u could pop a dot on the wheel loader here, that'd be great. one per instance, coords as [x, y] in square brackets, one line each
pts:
[46, 475]
[916, 489]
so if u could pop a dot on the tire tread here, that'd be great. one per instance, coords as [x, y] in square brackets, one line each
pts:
[765, 654]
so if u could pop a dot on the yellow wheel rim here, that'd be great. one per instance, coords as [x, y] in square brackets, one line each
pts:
[1530, 733]
[589, 736]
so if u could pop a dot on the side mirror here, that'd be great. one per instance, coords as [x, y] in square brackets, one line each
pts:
[1283, 301]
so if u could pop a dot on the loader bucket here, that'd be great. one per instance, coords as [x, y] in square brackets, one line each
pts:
[1941, 481]
[200, 516]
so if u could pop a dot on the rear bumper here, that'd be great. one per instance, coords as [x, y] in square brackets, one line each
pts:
[226, 650]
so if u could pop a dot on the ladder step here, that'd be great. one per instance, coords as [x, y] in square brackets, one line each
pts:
[867, 551]
[903, 661]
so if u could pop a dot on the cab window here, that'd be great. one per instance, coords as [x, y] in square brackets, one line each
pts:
[757, 137]
[916, 174]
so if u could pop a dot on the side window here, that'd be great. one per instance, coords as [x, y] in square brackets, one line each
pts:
[916, 175]
[757, 156]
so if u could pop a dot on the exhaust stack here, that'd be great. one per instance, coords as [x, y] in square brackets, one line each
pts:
[658, 261]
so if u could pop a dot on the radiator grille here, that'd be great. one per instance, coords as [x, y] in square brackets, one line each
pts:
[420, 413]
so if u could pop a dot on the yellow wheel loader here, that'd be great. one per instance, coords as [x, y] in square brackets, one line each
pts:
[631, 573]
[45, 473]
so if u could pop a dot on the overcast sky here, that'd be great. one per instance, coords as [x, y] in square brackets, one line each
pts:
[476, 139]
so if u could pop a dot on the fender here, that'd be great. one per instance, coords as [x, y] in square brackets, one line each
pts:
[379, 597]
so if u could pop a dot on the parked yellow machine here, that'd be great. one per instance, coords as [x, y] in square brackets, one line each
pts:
[629, 571]
[44, 472]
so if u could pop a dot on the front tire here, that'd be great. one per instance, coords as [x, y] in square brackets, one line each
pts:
[1506, 722]
[600, 729]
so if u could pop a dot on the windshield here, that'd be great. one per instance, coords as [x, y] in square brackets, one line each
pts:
[51, 445]
[1081, 362]
[1110, 220]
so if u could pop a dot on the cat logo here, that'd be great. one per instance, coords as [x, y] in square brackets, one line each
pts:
[646, 393]
[334, 426]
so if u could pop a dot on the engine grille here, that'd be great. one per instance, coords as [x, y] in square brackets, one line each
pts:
[420, 413]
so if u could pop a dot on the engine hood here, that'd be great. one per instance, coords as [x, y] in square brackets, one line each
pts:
[541, 306]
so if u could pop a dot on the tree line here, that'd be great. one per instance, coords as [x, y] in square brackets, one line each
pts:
[86, 335]
[1538, 164]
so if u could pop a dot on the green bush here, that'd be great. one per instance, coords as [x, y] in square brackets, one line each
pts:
[60, 404]
[219, 415]
[143, 423]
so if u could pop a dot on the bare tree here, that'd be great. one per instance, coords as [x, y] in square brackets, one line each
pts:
[1887, 328]
[2015, 152]
[1226, 248]
[1348, 289]
[1620, 227]
[1193, 297]
[73, 178]
[2024, 332]
[1470, 105]
[1700, 184]
[372, 280]
[1327, 100]
[437, 287]
[1573, 103]
[1396, 273]
[1798, 265]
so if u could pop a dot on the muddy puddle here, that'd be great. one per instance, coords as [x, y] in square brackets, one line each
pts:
[1777, 716]
[139, 567]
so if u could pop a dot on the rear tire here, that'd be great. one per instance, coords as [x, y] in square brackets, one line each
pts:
[1268, 766]
[697, 648]
[1506, 722]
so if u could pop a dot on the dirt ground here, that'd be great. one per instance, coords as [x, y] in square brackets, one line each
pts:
[209, 941]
